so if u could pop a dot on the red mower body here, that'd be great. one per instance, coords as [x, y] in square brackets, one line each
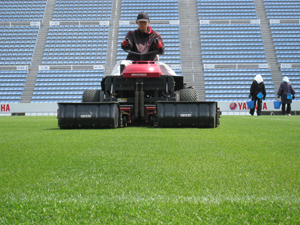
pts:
[142, 69]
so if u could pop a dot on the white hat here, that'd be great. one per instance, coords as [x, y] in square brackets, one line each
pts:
[285, 79]
[258, 78]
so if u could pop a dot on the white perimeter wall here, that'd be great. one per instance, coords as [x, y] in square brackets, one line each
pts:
[240, 108]
[50, 109]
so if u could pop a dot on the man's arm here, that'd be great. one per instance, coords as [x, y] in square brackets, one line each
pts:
[159, 45]
[127, 42]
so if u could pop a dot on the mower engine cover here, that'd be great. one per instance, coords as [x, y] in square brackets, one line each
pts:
[142, 69]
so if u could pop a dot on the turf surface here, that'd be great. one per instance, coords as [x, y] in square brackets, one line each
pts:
[246, 171]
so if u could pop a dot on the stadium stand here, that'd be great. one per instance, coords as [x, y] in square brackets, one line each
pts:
[224, 10]
[73, 45]
[22, 10]
[286, 39]
[232, 44]
[234, 84]
[282, 9]
[82, 10]
[231, 35]
[156, 9]
[65, 85]
[285, 28]
[17, 44]
[76, 44]
[12, 85]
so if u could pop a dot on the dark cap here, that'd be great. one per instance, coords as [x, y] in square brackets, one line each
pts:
[142, 17]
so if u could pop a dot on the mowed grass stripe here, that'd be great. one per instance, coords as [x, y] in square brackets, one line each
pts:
[245, 171]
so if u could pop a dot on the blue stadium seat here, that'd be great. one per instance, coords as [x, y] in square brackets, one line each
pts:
[79, 40]
[72, 11]
[282, 9]
[226, 10]
[234, 84]
[65, 85]
[286, 39]
[30, 12]
[12, 85]
[240, 43]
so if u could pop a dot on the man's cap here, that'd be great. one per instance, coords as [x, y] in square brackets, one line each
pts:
[142, 17]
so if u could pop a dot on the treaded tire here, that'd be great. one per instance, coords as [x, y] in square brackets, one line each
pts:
[188, 95]
[91, 96]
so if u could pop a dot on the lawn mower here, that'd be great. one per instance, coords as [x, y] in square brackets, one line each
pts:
[139, 96]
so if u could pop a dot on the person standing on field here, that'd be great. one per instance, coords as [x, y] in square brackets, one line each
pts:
[286, 92]
[257, 87]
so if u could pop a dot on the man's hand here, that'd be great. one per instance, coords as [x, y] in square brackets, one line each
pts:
[125, 43]
[159, 45]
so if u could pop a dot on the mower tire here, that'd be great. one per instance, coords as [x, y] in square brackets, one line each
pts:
[91, 96]
[188, 95]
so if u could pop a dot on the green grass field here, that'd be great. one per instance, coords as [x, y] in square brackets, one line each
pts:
[246, 171]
